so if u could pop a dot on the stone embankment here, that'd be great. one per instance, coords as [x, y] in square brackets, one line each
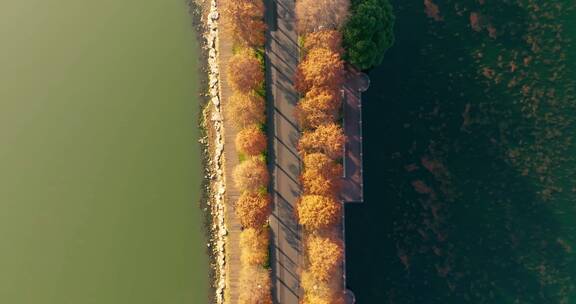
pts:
[215, 142]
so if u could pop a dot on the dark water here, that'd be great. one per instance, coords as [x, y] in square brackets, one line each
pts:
[470, 163]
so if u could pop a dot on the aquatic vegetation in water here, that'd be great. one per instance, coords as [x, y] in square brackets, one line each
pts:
[477, 112]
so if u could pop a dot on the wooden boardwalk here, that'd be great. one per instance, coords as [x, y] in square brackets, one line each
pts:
[353, 180]
[230, 162]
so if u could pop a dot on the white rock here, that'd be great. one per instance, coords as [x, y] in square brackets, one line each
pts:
[216, 116]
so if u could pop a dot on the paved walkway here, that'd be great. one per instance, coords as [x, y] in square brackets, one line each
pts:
[282, 60]
[230, 161]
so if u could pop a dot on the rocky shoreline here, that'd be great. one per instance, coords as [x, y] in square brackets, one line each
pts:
[213, 145]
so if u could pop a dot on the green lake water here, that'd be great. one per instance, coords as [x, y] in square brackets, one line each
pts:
[470, 159]
[99, 162]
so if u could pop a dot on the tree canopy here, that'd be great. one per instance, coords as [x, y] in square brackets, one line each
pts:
[321, 68]
[253, 209]
[324, 255]
[314, 15]
[369, 32]
[317, 212]
[245, 20]
[251, 141]
[244, 71]
[251, 175]
[255, 285]
[319, 106]
[245, 109]
[321, 175]
[327, 139]
[329, 39]
[254, 246]
[321, 292]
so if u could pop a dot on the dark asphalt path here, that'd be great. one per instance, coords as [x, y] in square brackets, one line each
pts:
[281, 61]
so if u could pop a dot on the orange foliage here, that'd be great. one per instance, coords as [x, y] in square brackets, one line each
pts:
[244, 71]
[321, 292]
[245, 20]
[319, 185]
[313, 286]
[320, 68]
[321, 176]
[251, 141]
[251, 175]
[253, 209]
[255, 285]
[327, 139]
[324, 255]
[313, 299]
[317, 212]
[318, 107]
[254, 246]
[313, 15]
[328, 39]
[246, 109]
[322, 164]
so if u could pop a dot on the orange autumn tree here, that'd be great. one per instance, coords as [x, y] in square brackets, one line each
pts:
[317, 212]
[314, 299]
[253, 209]
[320, 68]
[314, 286]
[321, 292]
[255, 285]
[323, 165]
[329, 39]
[244, 19]
[319, 106]
[327, 139]
[251, 141]
[244, 71]
[251, 175]
[254, 246]
[314, 15]
[321, 175]
[324, 255]
[246, 109]
[314, 183]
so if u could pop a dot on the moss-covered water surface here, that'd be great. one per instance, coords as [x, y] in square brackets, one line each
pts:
[470, 164]
[99, 164]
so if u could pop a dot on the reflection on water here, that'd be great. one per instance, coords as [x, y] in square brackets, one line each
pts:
[470, 162]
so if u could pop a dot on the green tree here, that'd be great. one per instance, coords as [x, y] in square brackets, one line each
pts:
[369, 32]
